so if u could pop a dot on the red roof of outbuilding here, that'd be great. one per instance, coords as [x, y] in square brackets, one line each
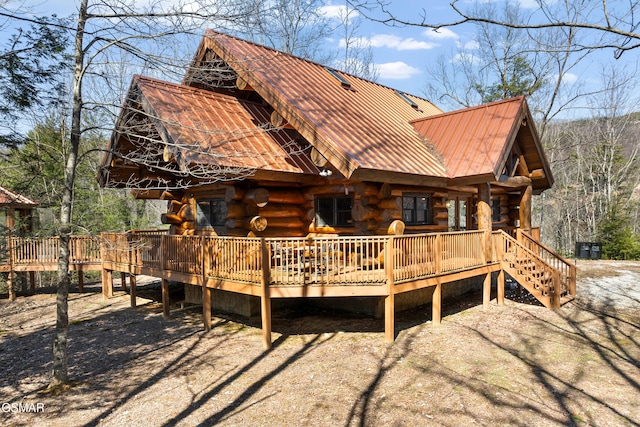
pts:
[10, 198]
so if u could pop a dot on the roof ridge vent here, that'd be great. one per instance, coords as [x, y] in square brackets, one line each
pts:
[334, 73]
[406, 99]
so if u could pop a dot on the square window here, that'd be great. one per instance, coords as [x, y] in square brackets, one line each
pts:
[334, 211]
[211, 213]
[416, 209]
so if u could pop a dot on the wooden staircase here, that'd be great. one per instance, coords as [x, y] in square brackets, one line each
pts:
[546, 275]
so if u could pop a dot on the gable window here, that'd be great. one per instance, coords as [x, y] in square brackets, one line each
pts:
[416, 209]
[334, 211]
[211, 213]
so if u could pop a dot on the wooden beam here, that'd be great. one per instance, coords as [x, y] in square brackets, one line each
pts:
[501, 287]
[486, 291]
[206, 307]
[265, 298]
[525, 208]
[165, 298]
[12, 291]
[32, 282]
[133, 290]
[389, 300]
[436, 305]
[107, 284]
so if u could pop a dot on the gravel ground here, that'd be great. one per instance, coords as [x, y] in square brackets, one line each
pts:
[519, 364]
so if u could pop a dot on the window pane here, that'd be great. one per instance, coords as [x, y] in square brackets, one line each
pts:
[408, 203]
[211, 213]
[203, 208]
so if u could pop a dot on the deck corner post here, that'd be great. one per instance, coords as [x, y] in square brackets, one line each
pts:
[389, 301]
[501, 287]
[436, 305]
[12, 291]
[132, 287]
[265, 297]
[80, 279]
[165, 298]
[572, 280]
[555, 294]
[107, 284]
[486, 291]
[206, 306]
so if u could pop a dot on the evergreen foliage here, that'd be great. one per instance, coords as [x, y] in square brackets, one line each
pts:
[35, 169]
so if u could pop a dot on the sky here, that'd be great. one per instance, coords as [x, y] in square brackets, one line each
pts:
[402, 55]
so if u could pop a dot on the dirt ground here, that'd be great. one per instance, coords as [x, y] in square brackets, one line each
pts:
[519, 364]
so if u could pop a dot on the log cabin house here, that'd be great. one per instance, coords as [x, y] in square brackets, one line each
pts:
[288, 179]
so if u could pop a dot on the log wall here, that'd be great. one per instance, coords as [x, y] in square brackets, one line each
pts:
[284, 210]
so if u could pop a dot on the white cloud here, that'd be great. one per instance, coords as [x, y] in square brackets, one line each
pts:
[396, 70]
[465, 58]
[568, 78]
[396, 42]
[440, 34]
[337, 11]
[471, 45]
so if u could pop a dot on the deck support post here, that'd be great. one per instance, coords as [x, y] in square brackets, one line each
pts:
[107, 284]
[133, 286]
[436, 305]
[206, 307]
[500, 297]
[123, 280]
[486, 291]
[80, 279]
[12, 291]
[32, 282]
[525, 209]
[165, 298]
[265, 297]
[389, 301]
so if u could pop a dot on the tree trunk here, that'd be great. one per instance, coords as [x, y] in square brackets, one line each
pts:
[60, 375]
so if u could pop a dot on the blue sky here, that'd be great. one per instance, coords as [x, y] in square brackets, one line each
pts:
[402, 54]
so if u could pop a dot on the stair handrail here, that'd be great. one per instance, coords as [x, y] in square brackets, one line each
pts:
[529, 252]
[566, 267]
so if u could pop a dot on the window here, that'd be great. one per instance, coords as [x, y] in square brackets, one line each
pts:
[416, 209]
[334, 211]
[211, 213]
[495, 210]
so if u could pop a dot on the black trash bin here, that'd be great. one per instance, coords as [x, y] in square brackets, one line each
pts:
[588, 250]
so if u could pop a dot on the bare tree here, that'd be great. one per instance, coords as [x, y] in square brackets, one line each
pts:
[596, 166]
[614, 23]
[144, 33]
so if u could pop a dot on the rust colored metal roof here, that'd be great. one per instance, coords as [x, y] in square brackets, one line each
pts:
[208, 128]
[363, 127]
[474, 141]
[13, 199]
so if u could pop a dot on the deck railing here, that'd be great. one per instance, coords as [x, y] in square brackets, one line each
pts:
[24, 251]
[328, 261]
[566, 269]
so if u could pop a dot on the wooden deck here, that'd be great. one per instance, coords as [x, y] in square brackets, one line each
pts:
[268, 268]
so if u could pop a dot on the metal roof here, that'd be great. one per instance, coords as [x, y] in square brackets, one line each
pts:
[360, 126]
[472, 141]
[207, 128]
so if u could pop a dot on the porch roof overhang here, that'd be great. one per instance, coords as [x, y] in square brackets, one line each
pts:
[477, 142]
